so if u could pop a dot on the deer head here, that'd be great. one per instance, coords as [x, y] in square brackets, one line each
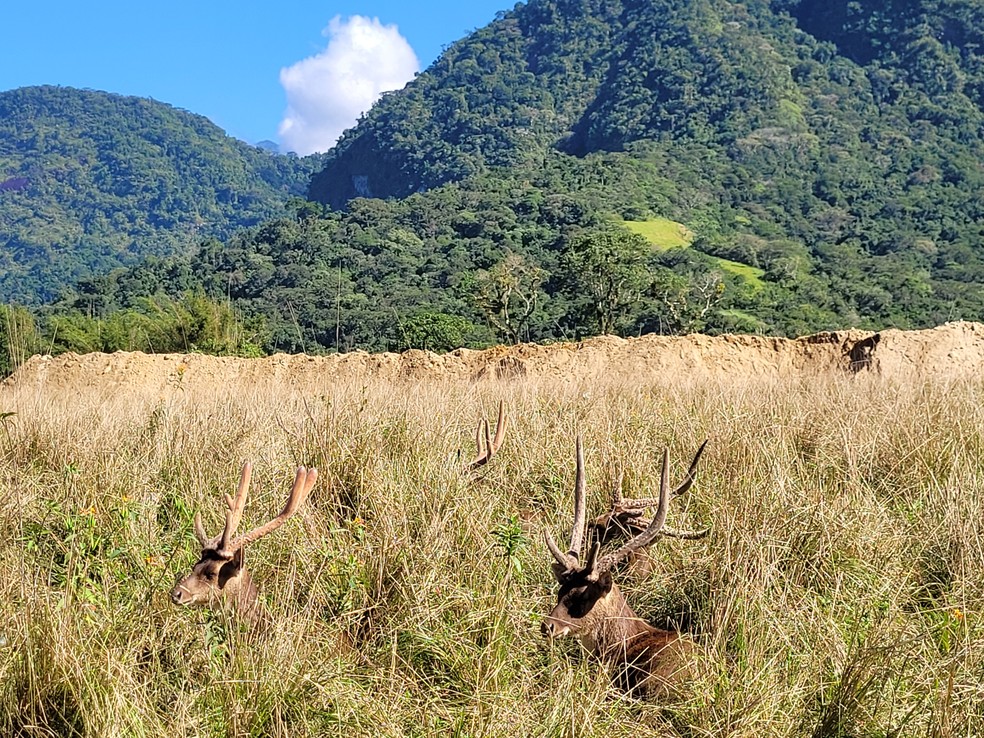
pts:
[220, 575]
[491, 443]
[589, 603]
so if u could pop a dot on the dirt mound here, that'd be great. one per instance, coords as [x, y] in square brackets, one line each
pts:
[954, 349]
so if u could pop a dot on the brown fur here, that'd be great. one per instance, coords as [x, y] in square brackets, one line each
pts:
[645, 661]
[218, 582]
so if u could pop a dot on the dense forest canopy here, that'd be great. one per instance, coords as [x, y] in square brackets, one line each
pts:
[90, 181]
[764, 127]
[584, 166]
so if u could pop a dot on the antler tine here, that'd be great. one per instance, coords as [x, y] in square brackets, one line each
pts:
[488, 440]
[591, 561]
[568, 562]
[682, 489]
[655, 527]
[685, 535]
[577, 533]
[618, 480]
[234, 508]
[691, 472]
[200, 531]
[481, 430]
[500, 429]
[303, 483]
[492, 444]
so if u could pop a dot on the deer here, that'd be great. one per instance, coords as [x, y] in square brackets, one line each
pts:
[220, 578]
[647, 661]
[626, 516]
[492, 442]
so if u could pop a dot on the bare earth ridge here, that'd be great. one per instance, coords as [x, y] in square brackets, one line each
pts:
[951, 350]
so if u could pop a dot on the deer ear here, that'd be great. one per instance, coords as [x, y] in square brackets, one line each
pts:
[604, 582]
[561, 573]
[231, 568]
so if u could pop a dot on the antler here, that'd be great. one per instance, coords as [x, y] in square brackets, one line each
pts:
[234, 508]
[303, 483]
[682, 489]
[569, 560]
[492, 444]
[224, 544]
[649, 534]
[626, 514]
[200, 531]
[234, 512]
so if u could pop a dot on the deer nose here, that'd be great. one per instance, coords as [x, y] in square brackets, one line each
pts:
[176, 595]
[546, 629]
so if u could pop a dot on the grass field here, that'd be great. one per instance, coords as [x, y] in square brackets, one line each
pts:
[663, 233]
[839, 593]
[751, 275]
[667, 234]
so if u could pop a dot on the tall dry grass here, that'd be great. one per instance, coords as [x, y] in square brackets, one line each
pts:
[838, 595]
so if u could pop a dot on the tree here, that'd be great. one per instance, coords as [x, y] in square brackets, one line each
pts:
[438, 332]
[606, 273]
[509, 293]
[686, 302]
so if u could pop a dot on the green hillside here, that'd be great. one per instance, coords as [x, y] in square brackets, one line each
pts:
[835, 146]
[91, 180]
[818, 165]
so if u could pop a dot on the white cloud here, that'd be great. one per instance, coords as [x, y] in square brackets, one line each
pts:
[327, 92]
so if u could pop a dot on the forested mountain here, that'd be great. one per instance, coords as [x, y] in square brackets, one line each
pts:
[91, 180]
[836, 145]
[585, 166]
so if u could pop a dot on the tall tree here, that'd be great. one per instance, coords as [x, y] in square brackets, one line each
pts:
[606, 273]
[508, 294]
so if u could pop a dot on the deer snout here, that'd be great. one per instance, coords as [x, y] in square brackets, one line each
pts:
[179, 596]
[550, 628]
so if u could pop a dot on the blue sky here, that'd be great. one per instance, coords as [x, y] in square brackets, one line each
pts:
[223, 59]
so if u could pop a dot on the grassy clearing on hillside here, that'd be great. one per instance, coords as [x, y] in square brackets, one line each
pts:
[667, 234]
[663, 233]
[839, 593]
[751, 275]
